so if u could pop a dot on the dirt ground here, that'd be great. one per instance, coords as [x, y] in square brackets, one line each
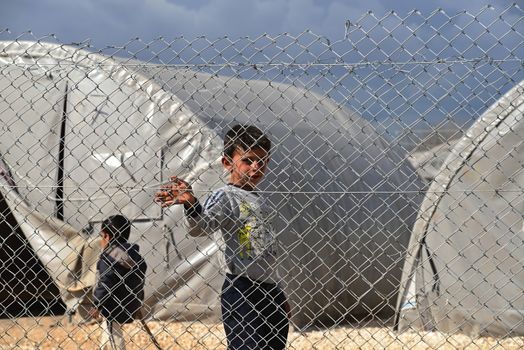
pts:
[56, 333]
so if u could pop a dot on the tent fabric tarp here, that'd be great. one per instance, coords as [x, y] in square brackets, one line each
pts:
[463, 271]
[334, 182]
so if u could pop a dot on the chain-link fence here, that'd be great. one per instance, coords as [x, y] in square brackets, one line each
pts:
[390, 212]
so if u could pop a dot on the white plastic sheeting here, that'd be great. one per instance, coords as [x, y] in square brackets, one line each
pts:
[471, 228]
[336, 184]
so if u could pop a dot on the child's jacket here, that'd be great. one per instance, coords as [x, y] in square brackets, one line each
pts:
[119, 291]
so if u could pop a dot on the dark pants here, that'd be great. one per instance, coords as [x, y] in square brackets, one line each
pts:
[253, 314]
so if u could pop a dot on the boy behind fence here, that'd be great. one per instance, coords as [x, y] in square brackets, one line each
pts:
[254, 308]
[119, 292]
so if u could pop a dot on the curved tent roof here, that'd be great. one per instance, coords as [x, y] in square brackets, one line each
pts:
[465, 254]
[334, 181]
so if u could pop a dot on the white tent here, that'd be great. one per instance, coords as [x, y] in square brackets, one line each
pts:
[464, 270]
[85, 136]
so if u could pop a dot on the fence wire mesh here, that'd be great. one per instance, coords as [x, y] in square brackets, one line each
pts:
[390, 212]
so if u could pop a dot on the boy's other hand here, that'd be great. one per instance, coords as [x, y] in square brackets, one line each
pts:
[94, 313]
[177, 191]
[287, 309]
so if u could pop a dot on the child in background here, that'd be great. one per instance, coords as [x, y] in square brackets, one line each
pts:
[119, 292]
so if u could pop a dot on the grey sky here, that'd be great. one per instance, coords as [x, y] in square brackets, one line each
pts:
[113, 22]
[108, 23]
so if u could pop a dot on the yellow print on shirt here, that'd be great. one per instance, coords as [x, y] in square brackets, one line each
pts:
[244, 237]
[245, 208]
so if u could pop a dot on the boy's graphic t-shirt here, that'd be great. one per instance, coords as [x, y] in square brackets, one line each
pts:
[245, 235]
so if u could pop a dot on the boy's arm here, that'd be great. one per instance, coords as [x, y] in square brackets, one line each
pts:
[202, 220]
[105, 283]
[214, 215]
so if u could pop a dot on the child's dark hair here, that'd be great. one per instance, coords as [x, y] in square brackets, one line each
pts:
[245, 137]
[118, 227]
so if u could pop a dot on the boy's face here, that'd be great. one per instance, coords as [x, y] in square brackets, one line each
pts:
[246, 168]
[104, 242]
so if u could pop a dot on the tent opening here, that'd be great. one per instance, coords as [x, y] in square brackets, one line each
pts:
[26, 289]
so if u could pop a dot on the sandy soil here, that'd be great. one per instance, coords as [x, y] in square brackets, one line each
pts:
[56, 333]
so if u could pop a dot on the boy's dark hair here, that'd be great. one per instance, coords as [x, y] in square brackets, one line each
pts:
[118, 227]
[245, 137]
